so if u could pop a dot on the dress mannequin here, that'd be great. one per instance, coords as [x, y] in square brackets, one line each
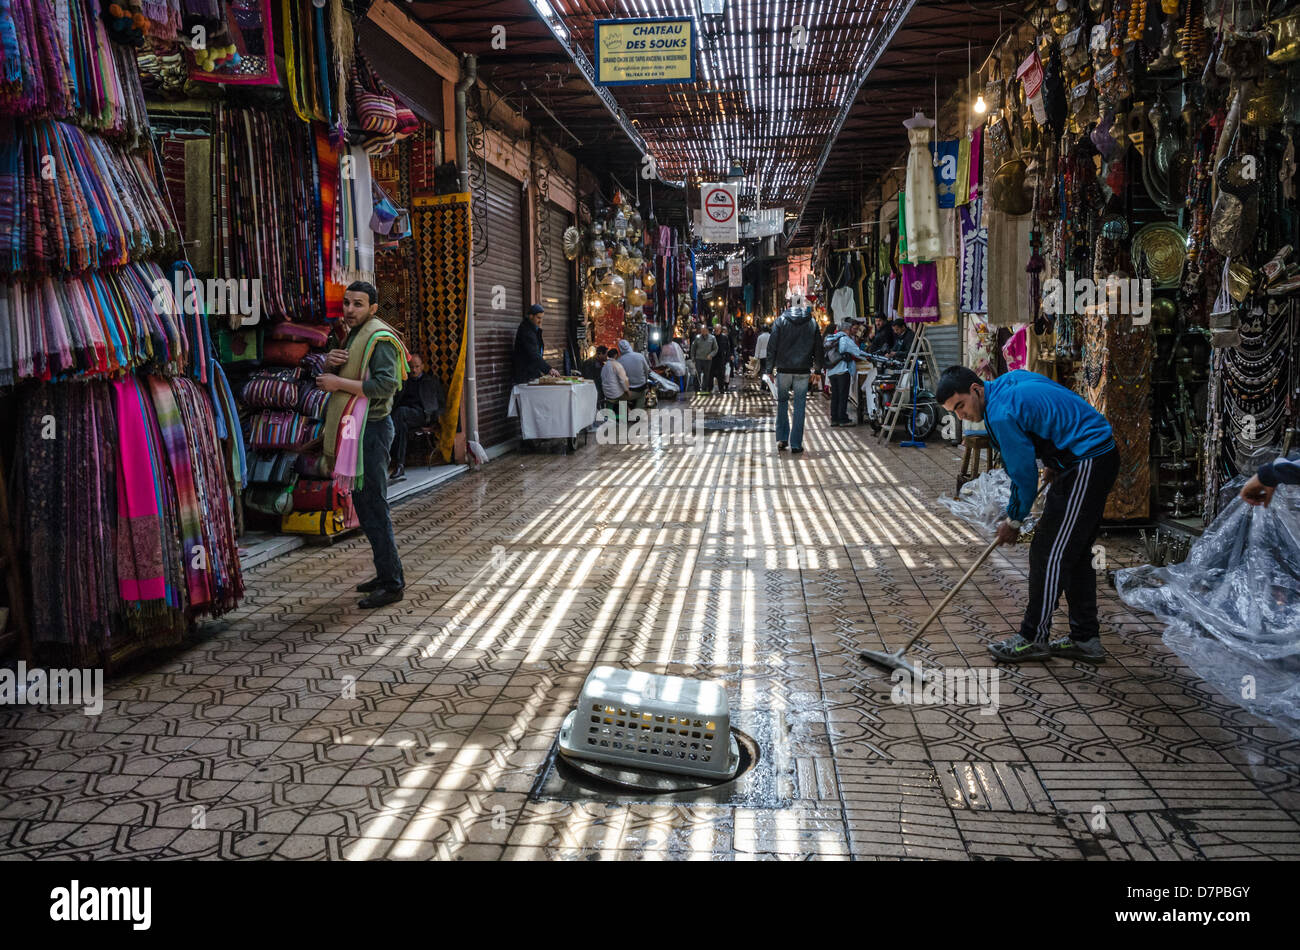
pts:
[922, 211]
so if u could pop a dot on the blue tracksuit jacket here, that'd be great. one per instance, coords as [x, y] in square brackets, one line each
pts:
[1280, 472]
[1030, 416]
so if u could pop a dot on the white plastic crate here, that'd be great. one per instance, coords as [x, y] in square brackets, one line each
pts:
[648, 721]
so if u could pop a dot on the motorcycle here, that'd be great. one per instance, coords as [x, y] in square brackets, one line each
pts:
[884, 387]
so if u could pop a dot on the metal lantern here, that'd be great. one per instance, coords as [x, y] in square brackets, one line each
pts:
[613, 286]
[636, 297]
[620, 224]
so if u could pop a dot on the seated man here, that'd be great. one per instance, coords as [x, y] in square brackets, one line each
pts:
[419, 403]
[613, 382]
[591, 369]
[637, 368]
[903, 338]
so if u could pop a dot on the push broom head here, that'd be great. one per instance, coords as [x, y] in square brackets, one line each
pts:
[892, 661]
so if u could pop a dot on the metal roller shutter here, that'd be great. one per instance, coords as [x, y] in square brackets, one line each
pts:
[946, 343]
[494, 328]
[556, 297]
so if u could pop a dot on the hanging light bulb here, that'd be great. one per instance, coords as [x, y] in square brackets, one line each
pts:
[980, 105]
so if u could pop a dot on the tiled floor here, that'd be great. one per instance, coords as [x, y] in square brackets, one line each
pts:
[303, 728]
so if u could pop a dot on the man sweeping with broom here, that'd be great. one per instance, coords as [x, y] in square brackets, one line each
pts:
[1029, 417]
[359, 430]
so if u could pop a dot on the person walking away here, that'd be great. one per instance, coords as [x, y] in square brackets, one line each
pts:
[760, 348]
[613, 382]
[372, 366]
[1029, 416]
[703, 348]
[418, 403]
[1259, 489]
[839, 351]
[793, 349]
[527, 362]
[637, 368]
[721, 358]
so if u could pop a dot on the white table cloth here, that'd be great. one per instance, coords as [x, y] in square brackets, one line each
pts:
[553, 411]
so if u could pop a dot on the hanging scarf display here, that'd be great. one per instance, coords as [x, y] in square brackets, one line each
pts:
[98, 324]
[356, 247]
[69, 536]
[56, 60]
[266, 175]
[78, 202]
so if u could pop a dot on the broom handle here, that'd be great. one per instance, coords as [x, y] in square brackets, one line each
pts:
[951, 594]
[960, 584]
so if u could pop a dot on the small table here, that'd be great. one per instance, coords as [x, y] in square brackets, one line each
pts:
[553, 410]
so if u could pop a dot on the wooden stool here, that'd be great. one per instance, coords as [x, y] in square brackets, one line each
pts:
[973, 445]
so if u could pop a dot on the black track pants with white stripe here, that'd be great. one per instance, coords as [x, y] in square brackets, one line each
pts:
[1060, 556]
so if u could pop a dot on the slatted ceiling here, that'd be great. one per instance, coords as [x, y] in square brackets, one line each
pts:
[782, 112]
[555, 289]
[494, 329]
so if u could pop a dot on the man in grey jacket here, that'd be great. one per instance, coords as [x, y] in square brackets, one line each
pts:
[703, 348]
[794, 348]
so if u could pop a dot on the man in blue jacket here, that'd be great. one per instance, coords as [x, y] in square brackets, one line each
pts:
[840, 351]
[1259, 490]
[1029, 417]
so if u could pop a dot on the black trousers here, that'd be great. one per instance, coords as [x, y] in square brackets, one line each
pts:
[405, 419]
[840, 397]
[1060, 556]
[718, 374]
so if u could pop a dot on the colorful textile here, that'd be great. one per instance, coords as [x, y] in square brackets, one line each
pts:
[945, 158]
[974, 258]
[920, 293]
[73, 201]
[271, 429]
[441, 228]
[141, 573]
[271, 389]
[56, 60]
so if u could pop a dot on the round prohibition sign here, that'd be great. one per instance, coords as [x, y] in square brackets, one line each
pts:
[719, 205]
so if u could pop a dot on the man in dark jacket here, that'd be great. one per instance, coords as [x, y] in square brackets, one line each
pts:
[419, 403]
[793, 349]
[903, 338]
[882, 340]
[528, 363]
[718, 371]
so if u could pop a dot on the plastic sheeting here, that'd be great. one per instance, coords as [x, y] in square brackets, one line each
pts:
[1233, 607]
[982, 503]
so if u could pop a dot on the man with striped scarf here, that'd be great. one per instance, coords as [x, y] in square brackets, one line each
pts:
[1030, 417]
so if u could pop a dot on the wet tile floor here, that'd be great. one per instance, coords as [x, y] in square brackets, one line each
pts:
[300, 727]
